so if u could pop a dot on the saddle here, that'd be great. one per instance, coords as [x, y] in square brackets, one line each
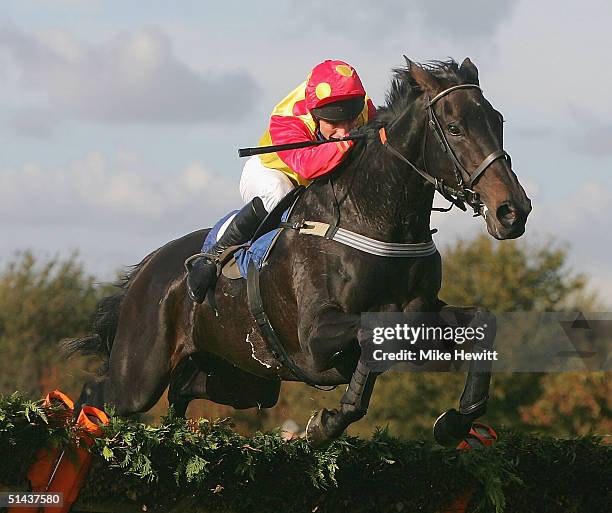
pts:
[235, 260]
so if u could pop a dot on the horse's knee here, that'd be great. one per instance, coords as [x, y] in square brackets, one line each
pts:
[134, 387]
[331, 330]
[483, 314]
[486, 321]
[125, 400]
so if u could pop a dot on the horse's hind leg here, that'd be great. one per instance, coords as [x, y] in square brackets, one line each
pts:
[187, 382]
[452, 426]
[125, 394]
[206, 376]
[138, 369]
[92, 394]
[139, 372]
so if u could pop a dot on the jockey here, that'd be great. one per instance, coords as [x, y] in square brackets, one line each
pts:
[328, 105]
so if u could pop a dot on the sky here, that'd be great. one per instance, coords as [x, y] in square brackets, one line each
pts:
[120, 121]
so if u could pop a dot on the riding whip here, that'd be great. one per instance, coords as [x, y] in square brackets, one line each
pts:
[248, 152]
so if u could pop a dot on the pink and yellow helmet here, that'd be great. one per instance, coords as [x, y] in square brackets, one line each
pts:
[334, 91]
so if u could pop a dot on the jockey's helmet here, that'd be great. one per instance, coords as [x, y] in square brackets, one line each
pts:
[334, 91]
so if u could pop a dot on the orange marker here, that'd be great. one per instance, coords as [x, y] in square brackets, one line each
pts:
[479, 435]
[65, 471]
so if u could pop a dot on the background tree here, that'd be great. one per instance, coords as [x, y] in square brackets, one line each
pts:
[572, 403]
[40, 304]
[514, 275]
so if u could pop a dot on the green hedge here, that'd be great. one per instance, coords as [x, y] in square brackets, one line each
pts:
[206, 466]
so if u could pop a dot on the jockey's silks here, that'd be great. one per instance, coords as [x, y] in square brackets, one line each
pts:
[291, 122]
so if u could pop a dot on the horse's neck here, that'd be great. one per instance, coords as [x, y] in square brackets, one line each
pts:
[385, 199]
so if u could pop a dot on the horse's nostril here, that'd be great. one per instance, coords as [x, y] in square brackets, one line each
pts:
[507, 215]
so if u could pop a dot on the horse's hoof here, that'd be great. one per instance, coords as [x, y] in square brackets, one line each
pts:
[316, 432]
[451, 428]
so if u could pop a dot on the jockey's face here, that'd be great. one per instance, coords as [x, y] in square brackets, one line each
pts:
[337, 129]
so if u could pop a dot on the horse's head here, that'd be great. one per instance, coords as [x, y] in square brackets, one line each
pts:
[464, 146]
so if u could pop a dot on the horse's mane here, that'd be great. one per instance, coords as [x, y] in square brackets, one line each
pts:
[404, 90]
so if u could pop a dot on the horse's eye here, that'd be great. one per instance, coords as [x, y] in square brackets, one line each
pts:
[453, 129]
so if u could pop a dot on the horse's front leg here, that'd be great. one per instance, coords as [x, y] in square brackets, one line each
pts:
[325, 425]
[331, 332]
[452, 426]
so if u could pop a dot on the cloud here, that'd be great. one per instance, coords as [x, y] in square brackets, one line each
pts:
[580, 218]
[33, 122]
[550, 60]
[469, 19]
[114, 209]
[589, 134]
[135, 77]
[466, 20]
[119, 193]
[592, 140]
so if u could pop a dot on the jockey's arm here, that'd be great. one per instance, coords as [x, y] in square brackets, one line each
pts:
[307, 162]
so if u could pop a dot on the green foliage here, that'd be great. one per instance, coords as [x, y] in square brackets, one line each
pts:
[202, 465]
[40, 304]
[26, 427]
[572, 403]
[510, 276]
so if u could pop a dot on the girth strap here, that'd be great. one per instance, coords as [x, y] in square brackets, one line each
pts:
[256, 308]
[366, 244]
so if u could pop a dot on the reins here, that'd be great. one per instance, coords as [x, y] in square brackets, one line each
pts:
[458, 196]
[454, 196]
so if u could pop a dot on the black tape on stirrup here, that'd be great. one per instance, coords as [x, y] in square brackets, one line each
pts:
[257, 310]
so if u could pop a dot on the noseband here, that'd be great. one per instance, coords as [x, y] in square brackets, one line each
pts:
[465, 180]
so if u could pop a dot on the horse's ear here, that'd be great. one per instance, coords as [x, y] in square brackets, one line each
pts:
[424, 79]
[469, 71]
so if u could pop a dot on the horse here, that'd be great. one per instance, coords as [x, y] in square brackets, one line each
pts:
[436, 132]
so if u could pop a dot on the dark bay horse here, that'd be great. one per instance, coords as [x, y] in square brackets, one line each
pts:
[441, 133]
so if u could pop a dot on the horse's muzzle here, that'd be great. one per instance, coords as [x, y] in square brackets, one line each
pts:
[510, 219]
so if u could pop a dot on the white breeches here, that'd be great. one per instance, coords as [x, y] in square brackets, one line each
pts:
[269, 184]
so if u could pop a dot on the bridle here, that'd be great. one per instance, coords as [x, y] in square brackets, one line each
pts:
[463, 192]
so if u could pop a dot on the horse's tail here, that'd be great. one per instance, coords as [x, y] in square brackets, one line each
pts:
[104, 322]
[104, 327]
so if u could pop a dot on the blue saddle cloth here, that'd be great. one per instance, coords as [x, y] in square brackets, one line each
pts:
[255, 252]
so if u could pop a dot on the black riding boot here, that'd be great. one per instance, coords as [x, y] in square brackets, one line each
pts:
[202, 270]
